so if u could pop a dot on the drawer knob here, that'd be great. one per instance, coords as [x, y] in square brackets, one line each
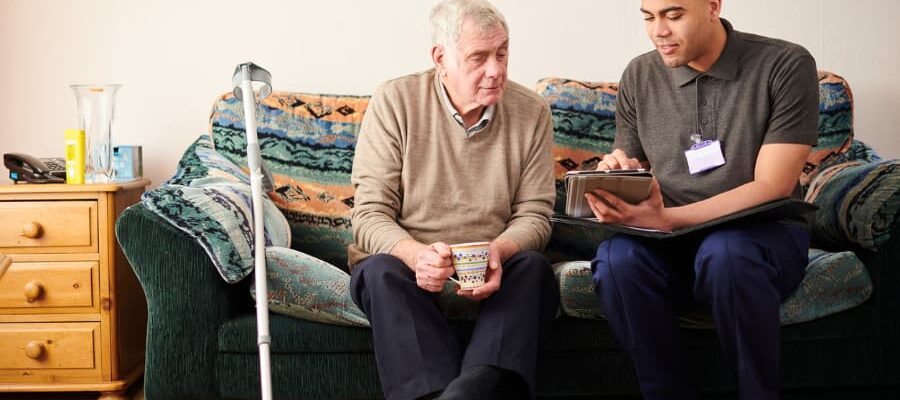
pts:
[5, 262]
[32, 230]
[34, 350]
[33, 291]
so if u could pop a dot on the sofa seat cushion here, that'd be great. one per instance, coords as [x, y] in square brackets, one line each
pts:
[307, 143]
[296, 336]
[834, 282]
[293, 335]
[209, 199]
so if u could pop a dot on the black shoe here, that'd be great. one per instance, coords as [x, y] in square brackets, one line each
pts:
[486, 382]
[430, 396]
[512, 387]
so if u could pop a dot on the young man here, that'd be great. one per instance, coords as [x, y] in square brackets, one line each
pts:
[455, 154]
[725, 119]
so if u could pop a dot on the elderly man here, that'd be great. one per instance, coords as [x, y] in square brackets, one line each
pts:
[455, 154]
[725, 119]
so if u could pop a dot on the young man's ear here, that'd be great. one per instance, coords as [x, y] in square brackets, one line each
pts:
[715, 8]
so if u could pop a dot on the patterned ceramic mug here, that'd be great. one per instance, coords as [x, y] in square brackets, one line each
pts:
[470, 261]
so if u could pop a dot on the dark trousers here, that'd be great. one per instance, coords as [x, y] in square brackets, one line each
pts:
[415, 350]
[741, 272]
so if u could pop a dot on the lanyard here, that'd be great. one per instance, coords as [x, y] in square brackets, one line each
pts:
[697, 135]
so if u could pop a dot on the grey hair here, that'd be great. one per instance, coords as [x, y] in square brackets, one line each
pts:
[447, 18]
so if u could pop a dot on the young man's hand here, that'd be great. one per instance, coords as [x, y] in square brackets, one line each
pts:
[610, 209]
[618, 160]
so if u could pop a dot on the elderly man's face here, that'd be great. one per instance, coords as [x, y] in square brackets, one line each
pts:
[478, 75]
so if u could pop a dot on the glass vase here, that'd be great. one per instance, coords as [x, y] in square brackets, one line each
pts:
[96, 106]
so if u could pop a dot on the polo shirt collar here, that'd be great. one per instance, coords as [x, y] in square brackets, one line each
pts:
[724, 68]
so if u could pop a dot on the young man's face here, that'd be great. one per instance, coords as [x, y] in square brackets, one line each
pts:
[477, 76]
[681, 29]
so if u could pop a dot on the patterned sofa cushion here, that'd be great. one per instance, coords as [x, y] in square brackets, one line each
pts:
[305, 287]
[858, 151]
[302, 286]
[835, 125]
[584, 125]
[200, 161]
[858, 203]
[576, 290]
[209, 199]
[834, 282]
[307, 143]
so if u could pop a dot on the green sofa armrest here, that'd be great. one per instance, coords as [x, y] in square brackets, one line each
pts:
[187, 301]
[882, 265]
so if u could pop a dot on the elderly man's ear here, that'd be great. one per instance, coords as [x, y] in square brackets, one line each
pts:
[438, 56]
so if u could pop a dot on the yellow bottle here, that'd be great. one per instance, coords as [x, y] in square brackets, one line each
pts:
[75, 156]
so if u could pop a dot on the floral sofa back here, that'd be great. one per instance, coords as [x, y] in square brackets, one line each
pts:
[308, 140]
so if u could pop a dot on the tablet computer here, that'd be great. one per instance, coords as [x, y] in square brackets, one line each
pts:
[631, 185]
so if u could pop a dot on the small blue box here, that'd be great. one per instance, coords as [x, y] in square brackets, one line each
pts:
[128, 162]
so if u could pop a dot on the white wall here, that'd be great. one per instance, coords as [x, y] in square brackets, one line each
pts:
[175, 57]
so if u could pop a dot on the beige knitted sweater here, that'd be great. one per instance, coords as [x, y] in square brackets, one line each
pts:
[416, 174]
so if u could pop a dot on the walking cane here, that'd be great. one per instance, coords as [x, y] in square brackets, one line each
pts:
[244, 76]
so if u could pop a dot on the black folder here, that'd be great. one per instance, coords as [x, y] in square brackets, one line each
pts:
[773, 210]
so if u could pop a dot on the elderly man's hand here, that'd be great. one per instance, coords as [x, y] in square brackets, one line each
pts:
[433, 266]
[499, 250]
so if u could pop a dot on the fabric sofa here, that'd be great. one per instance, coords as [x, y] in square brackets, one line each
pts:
[201, 334]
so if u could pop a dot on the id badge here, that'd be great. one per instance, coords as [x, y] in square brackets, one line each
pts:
[704, 156]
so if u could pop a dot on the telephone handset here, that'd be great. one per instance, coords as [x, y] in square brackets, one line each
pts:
[26, 168]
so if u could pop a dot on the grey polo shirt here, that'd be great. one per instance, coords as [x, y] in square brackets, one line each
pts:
[761, 90]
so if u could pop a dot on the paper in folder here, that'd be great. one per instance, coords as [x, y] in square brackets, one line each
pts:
[631, 185]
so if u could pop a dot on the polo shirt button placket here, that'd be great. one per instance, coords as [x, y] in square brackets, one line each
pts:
[702, 111]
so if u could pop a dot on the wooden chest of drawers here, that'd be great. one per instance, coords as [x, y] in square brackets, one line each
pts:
[72, 314]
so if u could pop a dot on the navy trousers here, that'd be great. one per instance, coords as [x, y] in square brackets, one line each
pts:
[415, 350]
[740, 272]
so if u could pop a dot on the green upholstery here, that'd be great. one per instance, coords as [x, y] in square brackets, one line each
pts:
[187, 302]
